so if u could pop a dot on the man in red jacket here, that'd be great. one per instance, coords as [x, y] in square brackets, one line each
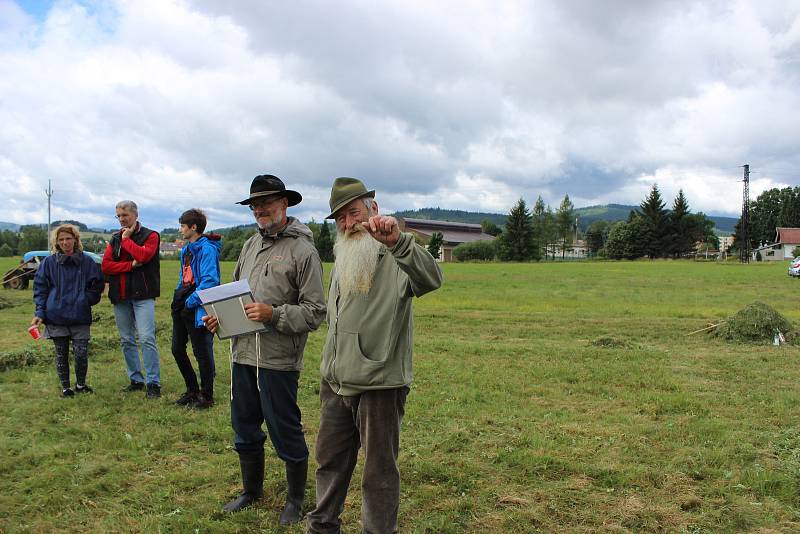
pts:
[132, 265]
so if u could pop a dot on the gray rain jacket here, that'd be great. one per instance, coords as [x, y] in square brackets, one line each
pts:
[285, 271]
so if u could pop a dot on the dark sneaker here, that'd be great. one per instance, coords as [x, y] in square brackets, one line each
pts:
[202, 402]
[83, 389]
[153, 391]
[67, 392]
[134, 386]
[187, 398]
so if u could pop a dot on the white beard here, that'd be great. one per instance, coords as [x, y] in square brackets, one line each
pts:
[356, 260]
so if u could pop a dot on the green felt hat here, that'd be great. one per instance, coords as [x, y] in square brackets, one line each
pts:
[345, 190]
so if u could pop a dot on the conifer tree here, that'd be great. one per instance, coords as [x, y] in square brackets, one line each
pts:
[681, 235]
[541, 226]
[565, 222]
[516, 242]
[325, 243]
[655, 219]
[435, 244]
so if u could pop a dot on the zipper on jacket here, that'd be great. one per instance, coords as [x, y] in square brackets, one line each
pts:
[335, 343]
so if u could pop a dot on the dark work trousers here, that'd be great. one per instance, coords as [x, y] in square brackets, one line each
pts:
[275, 404]
[183, 330]
[81, 349]
[371, 419]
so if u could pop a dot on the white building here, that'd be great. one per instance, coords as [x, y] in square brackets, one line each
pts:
[786, 239]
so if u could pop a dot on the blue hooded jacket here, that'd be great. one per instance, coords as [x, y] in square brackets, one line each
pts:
[66, 287]
[205, 269]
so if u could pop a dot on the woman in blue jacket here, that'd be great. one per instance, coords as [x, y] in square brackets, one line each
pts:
[67, 284]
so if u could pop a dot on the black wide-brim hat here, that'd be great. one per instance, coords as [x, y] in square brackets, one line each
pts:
[267, 185]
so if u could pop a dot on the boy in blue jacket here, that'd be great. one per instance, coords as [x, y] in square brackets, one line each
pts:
[66, 286]
[199, 270]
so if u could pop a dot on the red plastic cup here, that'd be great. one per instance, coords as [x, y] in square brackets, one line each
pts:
[34, 331]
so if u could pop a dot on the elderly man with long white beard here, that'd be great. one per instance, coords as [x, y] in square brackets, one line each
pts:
[366, 361]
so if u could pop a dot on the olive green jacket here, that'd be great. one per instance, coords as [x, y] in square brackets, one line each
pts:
[284, 271]
[370, 336]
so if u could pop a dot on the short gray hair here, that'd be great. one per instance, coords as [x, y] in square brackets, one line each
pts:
[369, 203]
[128, 205]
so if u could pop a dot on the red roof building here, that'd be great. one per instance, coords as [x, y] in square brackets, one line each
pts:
[453, 234]
[786, 240]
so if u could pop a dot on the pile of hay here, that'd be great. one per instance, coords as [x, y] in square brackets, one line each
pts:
[610, 342]
[755, 323]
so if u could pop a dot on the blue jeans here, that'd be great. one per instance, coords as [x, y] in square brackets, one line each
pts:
[139, 317]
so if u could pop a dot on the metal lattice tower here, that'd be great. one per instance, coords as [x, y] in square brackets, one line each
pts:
[744, 249]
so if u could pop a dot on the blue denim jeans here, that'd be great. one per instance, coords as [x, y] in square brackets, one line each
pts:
[139, 317]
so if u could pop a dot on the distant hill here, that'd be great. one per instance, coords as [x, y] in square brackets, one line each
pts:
[586, 216]
[619, 212]
[609, 212]
[439, 214]
[226, 230]
[82, 227]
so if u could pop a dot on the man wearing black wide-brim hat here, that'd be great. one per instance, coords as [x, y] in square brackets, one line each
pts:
[366, 361]
[284, 271]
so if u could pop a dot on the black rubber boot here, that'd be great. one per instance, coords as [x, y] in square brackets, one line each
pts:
[252, 465]
[296, 473]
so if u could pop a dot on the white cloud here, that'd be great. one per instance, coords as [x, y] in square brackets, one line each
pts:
[464, 105]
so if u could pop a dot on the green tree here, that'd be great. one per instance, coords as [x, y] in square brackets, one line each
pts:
[315, 228]
[6, 251]
[655, 219]
[34, 237]
[703, 230]
[325, 242]
[488, 227]
[7, 237]
[565, 223]
[682, 228]
[789, 216]
[233, 240]
[435, 244]
[475, 251]
[627, 240]
[516, 242]
[544, 228]
[618, 236]
[773, 208]
[596, 236]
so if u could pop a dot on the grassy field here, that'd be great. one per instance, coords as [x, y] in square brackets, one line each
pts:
[548, 397]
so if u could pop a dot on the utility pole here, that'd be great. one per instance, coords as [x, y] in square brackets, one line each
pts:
[49, 193]
[576, 230]
[576, 238]
[744, 255]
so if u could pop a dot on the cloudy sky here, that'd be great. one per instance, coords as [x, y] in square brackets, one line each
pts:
[458, 104]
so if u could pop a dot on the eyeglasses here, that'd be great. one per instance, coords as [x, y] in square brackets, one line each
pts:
[262, 204]
[118, 216]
